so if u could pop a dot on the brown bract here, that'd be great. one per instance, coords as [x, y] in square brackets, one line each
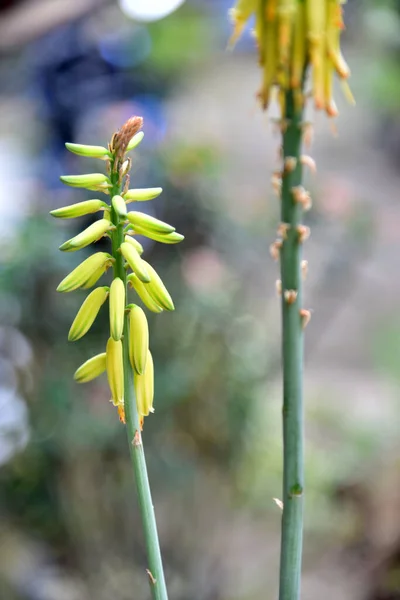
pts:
[122, 138]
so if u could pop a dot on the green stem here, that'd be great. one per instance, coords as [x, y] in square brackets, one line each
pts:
[155, 570]
[292, 355]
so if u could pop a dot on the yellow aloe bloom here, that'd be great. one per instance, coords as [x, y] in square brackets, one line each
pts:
[91, 369]
[133, 241]
[87, 313]
[141, 195]
[119, 205]
[135, 262]
[78, 210]
[115, 370]
[140, 289]
[148, 222]
[80, 275]
[138, 338]
[135, 141]
[117, 308]
[157, 289]
[239, 15]
[89, 151]
[91, 234]
[144, 388]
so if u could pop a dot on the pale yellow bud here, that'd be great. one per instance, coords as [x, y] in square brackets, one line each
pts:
[87, 313]
[91, 234]
[144, 388]
[138, 338]
[91, 369]
[117, 308]
[115, 370]
[135, 262]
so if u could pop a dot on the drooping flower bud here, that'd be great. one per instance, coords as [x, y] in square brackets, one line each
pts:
[144, 388]
[87, 313]
[115, 370]
[138, 338]
[117, 308]
[163, 238]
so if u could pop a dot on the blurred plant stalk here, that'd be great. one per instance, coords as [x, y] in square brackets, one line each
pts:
[294, 38]
[127, 359]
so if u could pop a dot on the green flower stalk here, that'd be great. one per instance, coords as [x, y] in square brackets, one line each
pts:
[294, 37]
[127, 359]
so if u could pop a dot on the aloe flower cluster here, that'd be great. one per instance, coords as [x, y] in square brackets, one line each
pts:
[127, 320]
[290, 35]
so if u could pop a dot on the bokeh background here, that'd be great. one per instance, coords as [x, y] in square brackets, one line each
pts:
[69, 529]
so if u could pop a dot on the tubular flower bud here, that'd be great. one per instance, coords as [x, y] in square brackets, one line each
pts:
[89, 151]
[146, 222]
[138, 338]
[141, 290]
[164, 238]
[133, 241]
[136, 263]
[141, 195]
[144, 388]
[119, 206]
[91, 234]
[157, 289]
[115, 370]
[117, 308]
[91, 369]
[78, 210]
[93, 181]
[80, 275]
[135, 141]
[87, 313]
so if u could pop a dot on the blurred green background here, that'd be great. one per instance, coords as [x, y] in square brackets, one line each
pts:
[69, 529]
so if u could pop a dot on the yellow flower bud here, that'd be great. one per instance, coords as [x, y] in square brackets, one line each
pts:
[91, 234]
[115, 370]
[144, 388]
[87, 313]
[119, 206]
[89, 151]
[78, 210]
[95, 276]
[117, 308]
[91, 369]
[80, 275]
[150, 223]
[133, 241]
[141, 195]
[164, 238]
[135, 141]
[133, 259]
[140, 289]
[138, 338]
[157, 289]
[91, 181]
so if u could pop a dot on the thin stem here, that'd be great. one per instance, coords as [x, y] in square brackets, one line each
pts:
[155, 571]
[292, 355]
